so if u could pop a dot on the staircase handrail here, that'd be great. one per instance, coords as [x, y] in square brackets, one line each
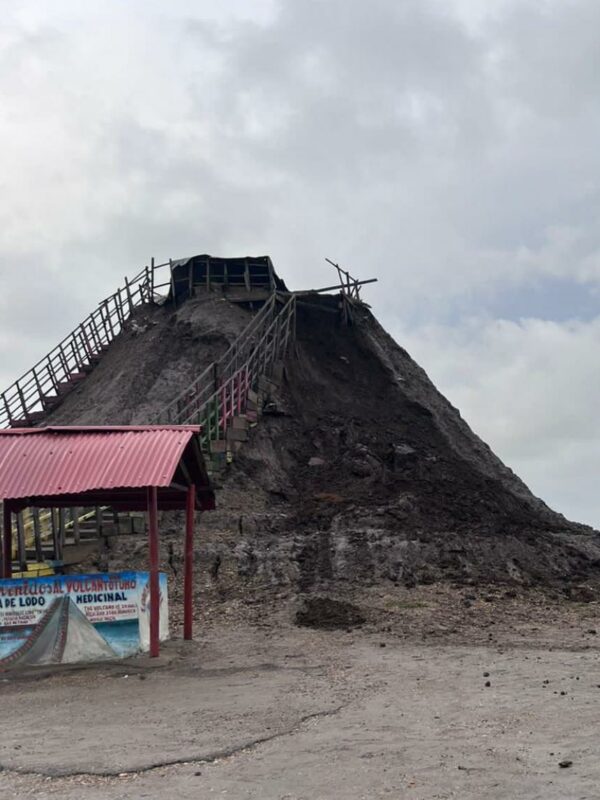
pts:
[221, 368]
[28, 396]
[245, 373]
[225, 399]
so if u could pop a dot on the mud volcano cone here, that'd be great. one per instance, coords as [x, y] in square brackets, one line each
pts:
[358, 470]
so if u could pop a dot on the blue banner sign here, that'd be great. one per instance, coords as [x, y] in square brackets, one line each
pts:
[68, 618]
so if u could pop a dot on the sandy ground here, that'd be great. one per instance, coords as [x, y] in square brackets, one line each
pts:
[271, 711]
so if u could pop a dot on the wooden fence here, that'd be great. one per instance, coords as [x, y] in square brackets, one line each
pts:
[219, 393]
[41, 388]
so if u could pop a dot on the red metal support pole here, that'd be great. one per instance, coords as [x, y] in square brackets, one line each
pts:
[7, 552]
[188, 572]
[154, 581]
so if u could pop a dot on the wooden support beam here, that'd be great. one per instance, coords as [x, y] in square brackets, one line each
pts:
[37, 534]
[108, 319]
[23, 403]
[59, 532]
[129, 298]
[331, 288]
[75, 517]
[119, 307]
[98, 521]
[21, 554]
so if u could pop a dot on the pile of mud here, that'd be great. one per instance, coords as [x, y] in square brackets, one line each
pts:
[361, 472]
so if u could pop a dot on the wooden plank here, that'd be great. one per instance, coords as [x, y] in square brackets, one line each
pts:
[104, 323]
[37, 534]
[109, 319]
[330, 288]
[56, 548]
[61, 529]
[63, 360]
[93, 331]
[75, 352]
[86, 343]
[119, 307]
[128, 293]
[23, 403]
[37, 382]
[21, 554]
[52, 374]
[75, 511]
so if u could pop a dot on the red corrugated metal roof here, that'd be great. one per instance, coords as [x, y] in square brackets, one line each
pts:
[55, 461]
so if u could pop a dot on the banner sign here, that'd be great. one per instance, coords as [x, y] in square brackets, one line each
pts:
[68, 618]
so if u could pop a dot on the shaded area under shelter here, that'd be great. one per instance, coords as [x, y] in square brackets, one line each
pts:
[130, 468]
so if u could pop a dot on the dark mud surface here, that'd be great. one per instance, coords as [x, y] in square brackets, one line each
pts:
[328, 614]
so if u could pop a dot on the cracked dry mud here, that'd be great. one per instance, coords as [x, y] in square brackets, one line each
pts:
[264, 710]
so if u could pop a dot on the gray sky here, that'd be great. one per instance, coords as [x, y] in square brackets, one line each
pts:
[448, 147]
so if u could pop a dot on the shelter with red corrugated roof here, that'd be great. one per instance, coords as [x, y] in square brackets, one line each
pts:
[130, 468]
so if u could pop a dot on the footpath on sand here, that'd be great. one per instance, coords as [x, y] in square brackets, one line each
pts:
[288, 712]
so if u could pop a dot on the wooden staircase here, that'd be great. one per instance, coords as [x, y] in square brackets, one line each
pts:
[220, 453]
[226, 400]
[45, 385]
[47, 540]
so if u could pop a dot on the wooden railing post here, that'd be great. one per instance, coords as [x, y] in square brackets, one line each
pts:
[21, 554]
[22, 401]
[75, 518]
[37, 534]
[119, 307]
[129, 300]
[61, 531]
[102, 311]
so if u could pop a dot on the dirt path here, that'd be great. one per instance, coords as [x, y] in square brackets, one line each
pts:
[287, 713]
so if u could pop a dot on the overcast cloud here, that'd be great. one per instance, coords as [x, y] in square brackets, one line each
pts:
[448, 147]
